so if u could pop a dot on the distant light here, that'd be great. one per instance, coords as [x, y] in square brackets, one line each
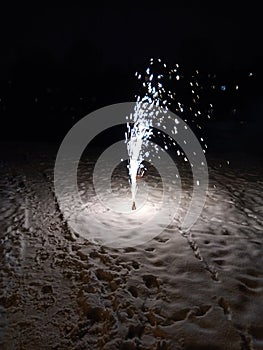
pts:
[177, 77]
[236, 87]
[250, 74]
[223, 87]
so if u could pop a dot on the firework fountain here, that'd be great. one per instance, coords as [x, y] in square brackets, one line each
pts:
[155, 99]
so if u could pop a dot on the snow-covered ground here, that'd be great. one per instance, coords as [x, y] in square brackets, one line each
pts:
[201, 290]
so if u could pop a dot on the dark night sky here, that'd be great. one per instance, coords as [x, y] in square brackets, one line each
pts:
[91, 50]
[224, 36]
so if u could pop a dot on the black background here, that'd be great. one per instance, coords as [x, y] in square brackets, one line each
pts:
[60, 62]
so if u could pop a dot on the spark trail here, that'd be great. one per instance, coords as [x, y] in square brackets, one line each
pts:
[164, 88]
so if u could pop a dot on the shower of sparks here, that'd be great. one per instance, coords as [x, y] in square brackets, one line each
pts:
[168, 88]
